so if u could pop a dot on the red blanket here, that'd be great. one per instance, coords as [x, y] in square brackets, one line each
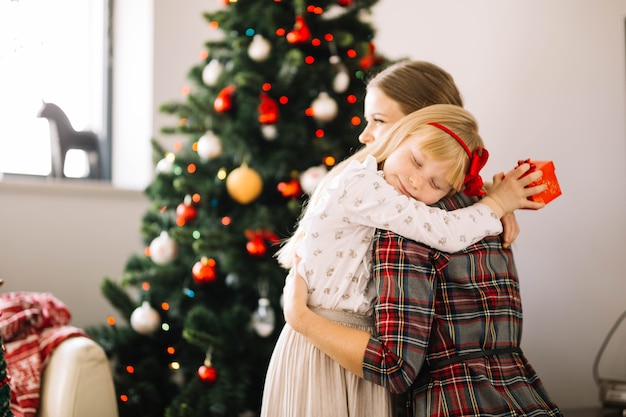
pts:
[32, 325]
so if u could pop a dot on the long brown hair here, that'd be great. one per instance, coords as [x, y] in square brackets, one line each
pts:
[416, 84]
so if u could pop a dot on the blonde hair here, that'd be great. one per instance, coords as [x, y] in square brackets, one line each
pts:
[434, 143]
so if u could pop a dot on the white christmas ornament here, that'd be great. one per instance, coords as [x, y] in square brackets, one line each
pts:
[263, 318]
[166, 164]
[212, 72]
[209, 146]
[365, 16]
[269, 132]
[259, 49]
[163, 249]
[333, 12]
[310, 178]
[232, 280]
[341, 82]
[342, 78]
[324, 107]
[145, 320]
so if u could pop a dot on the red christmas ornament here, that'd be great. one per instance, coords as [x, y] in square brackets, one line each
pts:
[268, 109]
[300, 33]
[369, 60]
[203, 271]
[256, 247]
[185, 211]
[207, 374]
[224, 100]
[291, 189]
[257, 239]
[344, 3]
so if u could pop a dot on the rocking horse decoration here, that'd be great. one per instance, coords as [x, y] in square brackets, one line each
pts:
[64, 138]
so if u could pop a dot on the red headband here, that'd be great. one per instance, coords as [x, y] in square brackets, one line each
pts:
[473, 182]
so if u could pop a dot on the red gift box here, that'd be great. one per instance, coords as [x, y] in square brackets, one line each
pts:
[548, 178]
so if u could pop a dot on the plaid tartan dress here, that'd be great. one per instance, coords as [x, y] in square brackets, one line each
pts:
[433, 306]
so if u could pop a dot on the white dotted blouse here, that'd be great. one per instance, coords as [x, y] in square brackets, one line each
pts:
[335, 254]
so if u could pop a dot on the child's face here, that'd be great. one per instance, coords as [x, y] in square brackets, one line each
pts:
[381, 113]
[412, 173]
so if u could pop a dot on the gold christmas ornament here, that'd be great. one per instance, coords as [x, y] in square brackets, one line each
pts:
[244, 184]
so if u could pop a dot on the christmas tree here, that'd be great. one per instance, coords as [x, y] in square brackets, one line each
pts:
[275, 103]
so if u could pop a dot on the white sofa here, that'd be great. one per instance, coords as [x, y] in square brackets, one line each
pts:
[77, 382]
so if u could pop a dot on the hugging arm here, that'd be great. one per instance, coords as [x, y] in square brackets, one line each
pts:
[404, 315]
[344, 345]
[375, 203]
[404, 275]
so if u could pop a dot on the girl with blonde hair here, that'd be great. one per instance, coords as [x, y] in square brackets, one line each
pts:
[427, 155]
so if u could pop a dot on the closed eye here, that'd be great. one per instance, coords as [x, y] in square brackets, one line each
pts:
[378, 121]
[435, 185]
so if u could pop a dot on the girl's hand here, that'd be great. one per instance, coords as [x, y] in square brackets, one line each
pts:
[511, 192]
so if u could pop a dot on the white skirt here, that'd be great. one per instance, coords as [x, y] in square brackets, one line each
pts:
[302, 381]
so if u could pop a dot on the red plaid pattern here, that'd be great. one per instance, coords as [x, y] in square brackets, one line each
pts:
[433, 306]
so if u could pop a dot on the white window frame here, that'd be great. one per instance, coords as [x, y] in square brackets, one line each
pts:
[55, 51]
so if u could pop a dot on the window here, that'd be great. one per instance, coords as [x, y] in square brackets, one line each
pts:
[51, 51]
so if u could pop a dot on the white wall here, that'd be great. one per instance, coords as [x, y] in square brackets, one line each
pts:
[545, 78]
[65, 238]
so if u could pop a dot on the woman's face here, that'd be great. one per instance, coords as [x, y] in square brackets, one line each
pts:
[412, 173]
[381, 113]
